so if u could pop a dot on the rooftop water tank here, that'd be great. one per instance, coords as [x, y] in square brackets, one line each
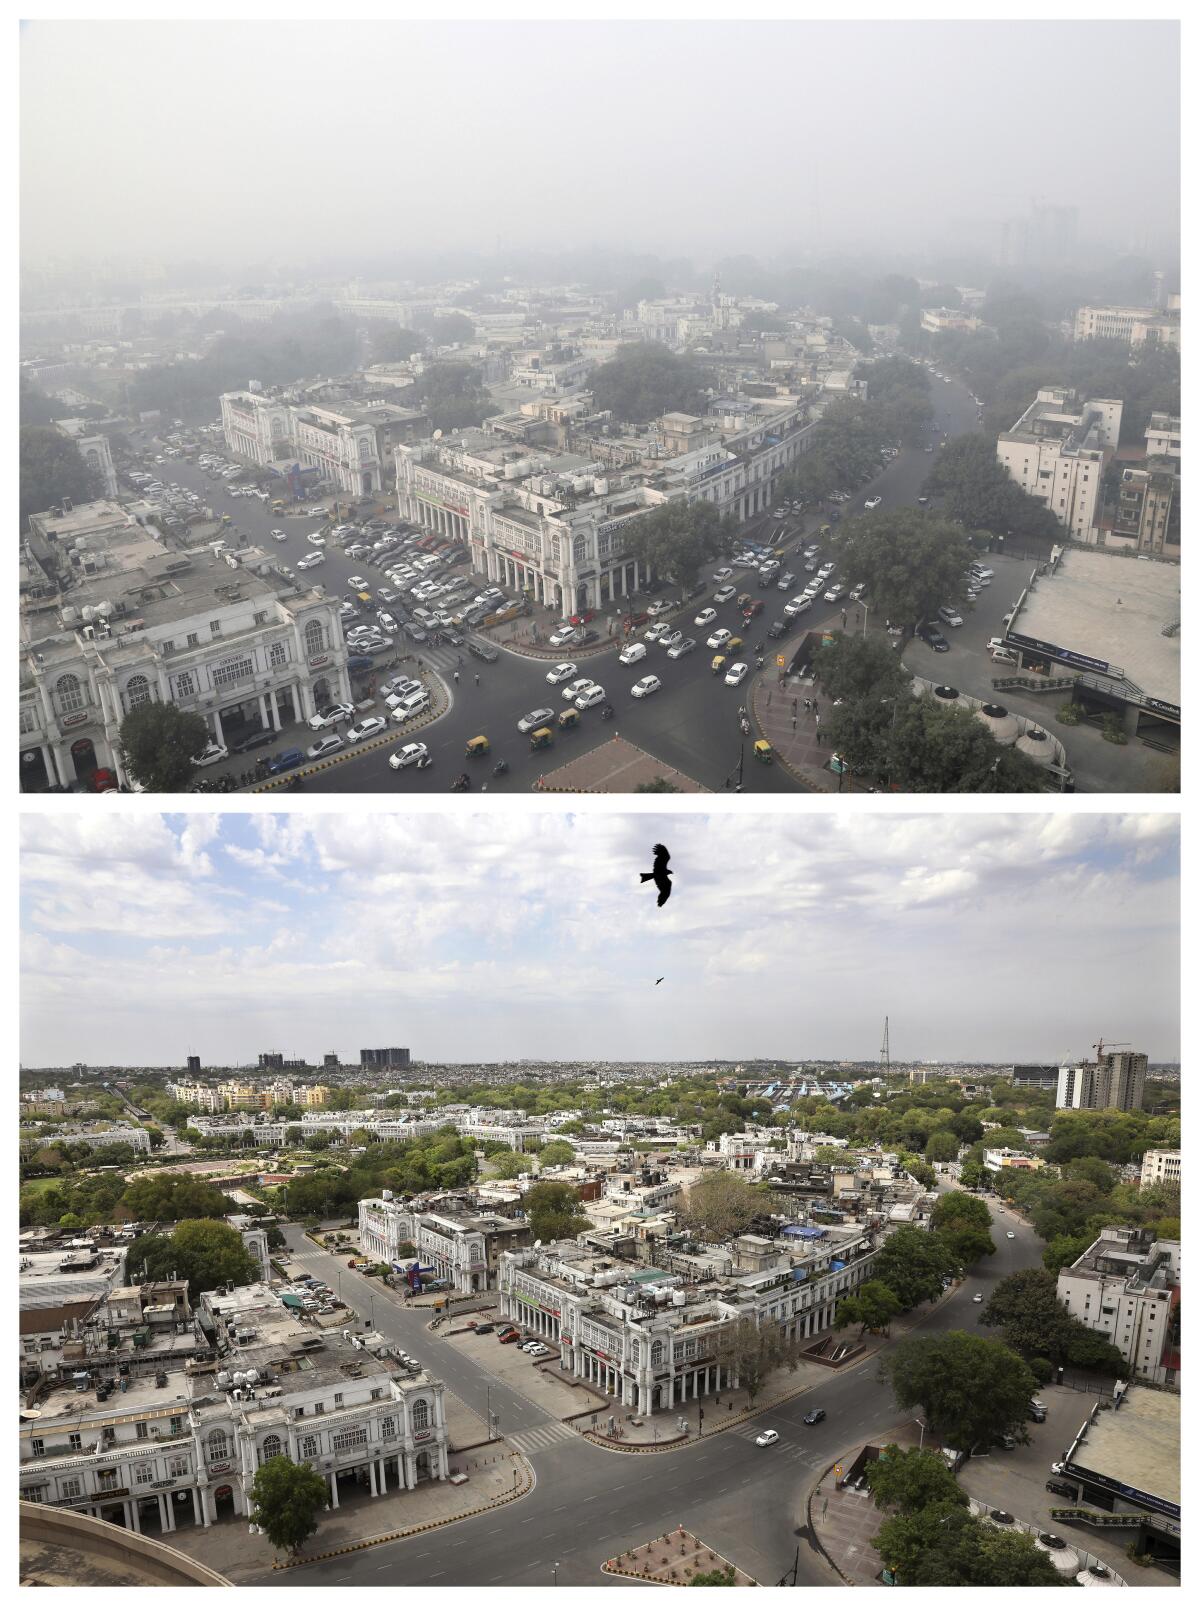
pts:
[224, 1379]
[600, 487]
[679, 1297]
[69, 616]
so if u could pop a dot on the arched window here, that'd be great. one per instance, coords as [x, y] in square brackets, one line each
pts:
[69, 693]
[656, 1353]
[314, 637]
[137, 691]
[218, 1445]
[272, 1446]
[420, 1415]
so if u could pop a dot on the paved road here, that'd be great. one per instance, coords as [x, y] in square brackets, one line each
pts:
[589, 1503]
[691, 724]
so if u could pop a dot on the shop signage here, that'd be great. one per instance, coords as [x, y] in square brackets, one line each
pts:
[425, 1433]
[220, 1466]
[80, 718]
[1062, 654]
[319, 661]
[1172, 710]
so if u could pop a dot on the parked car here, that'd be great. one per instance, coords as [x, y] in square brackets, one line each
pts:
[212, 754]
[290, 758]
[327, 744]
[366, 728]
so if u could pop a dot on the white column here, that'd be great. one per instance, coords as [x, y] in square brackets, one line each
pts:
[383, 1475]
[333, 1498]
[135, 1515]
[371, 1479]
[262, 709]
[274, 706]
[220, 734]
[197, 1518]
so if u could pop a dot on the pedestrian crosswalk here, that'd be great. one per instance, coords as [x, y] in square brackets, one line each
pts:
[801, 1453]
[543, 1438]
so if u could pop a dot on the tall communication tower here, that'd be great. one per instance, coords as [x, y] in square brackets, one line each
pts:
[885, 1053]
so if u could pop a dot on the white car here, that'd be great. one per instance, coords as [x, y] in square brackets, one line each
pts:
[725, 594]
[872, 502]
[356, 582]
[644, 687]
[680, 649]
[1010, 1235]
[671, 638]
[532, 720]
[564, 638]
[212, 754]
[314, 539]
[719, 638]
[705, 617]
[590, 697]
[571, 692]
[279, 535]
[735, 675]
[658, 607]
[723, 574]
[331, 716]
[311, 561]
[768, 1437]
[562, 672]
[410, 753]
[416, 702]
[834, 592]
[634, 653]
[327, 744]
[366, 728]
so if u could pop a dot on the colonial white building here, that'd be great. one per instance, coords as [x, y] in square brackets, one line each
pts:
[652, 1336]
[155, 1450]
[1057, 451]
[113, 618]
[462, 1248]
[256, 426]
[343, 448]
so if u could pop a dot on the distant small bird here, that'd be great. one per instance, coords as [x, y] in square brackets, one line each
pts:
[661, 978]
[660, 875]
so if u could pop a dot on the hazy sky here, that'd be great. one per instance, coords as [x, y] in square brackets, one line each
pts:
[246, 141]
[462, 936]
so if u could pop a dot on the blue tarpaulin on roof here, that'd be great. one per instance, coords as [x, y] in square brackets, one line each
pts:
[804, 1232]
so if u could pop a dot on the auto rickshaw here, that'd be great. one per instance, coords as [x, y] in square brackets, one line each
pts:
[478, 746]
[734, 645]
[568, 719]
[718, 664]
[544, 737]
[764, 752]
[744, 601]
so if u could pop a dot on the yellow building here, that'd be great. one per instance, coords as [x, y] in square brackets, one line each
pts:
[316, 1096]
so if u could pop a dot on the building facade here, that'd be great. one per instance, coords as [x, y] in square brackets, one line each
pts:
[344, 450]
[1126, 1286]
[256, 426]
[1162, 1165]
[1057, 451]
[1117, 1081]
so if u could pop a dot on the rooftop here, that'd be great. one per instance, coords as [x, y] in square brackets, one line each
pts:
[1136, 1444]
[1113, 608]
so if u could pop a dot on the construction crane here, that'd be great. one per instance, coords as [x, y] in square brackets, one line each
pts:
[1098, 1048]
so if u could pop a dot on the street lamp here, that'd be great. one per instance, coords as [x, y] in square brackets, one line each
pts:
[921, 1425]
[557, 1565]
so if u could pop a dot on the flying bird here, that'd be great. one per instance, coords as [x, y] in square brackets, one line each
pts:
[661, 978]
[660, 875]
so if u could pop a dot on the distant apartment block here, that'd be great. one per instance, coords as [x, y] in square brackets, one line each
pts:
[1117, 1081]
[1162, 1165]
[384, 1059]
[1132, 326]
[940, 320]
[1057, 451]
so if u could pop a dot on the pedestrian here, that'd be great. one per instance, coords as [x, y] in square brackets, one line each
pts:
[793, 721]
[477, 680]
[818, 721]
[768, 697]
[795, 705]
[843, 618]
[456, 677]
[808, 705]
[856, 616]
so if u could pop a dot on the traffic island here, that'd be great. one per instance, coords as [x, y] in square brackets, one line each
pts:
[677, 1558]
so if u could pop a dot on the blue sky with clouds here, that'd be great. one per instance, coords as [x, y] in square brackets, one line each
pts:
[147, 936]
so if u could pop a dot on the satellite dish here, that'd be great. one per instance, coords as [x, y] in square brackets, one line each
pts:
[437, 434]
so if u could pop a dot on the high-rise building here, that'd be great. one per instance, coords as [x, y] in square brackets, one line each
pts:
[384, 1059]
[1116, 1081]
[1057, 452]
[193, 1064]
[270, 1062]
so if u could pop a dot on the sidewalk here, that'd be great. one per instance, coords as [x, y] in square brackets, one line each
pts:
[496, 1478]
[779, 716]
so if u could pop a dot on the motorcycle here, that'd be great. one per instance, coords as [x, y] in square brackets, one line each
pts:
[759, 660]
[606, 711]
[295, 784]
[424, 763]
[462, 784]
[501, 768]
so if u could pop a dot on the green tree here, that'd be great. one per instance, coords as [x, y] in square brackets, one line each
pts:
[912, 1263]
[942, 1146]
[872, 1307]
[455, 329]
[676, 539]
[720, 1206]
[158, 743]
[934, 748]
[51, 467]
[719, 1577]
[658, 784]
[392, 344]
[942, 1545]
[976, 489]
[556, 1152]
[172, 1196]
[970, 1390]
[911, 563]
[207, 1253]
[555, 1211]
[509, 1165]
[907, 1481]
[644, 381]
[965, 1224]
[285, 1499]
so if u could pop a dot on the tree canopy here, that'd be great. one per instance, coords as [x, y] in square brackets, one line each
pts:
[1033, 1322]
[50, 467]
[208, 1253]
[158, 742]
[910, 562]
[555, 1211]
[969, 1390]
[907, 1481]
[720, 1206]
[976, 488]
[286, 1497]
[676, 539]
[645, 380]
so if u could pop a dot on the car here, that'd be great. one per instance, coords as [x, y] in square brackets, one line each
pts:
[508, 1338]
[719, 638]
[311, 561]
[814, 1416]
[358, 582]
[769, 1436]
[723, 574]
[778, 628]
[331, 716]
[933, 637]
[735, 674]
[564, 637]
[537, 1349]
[257, 738]
[590, 697]
[633, 654]
[680, 649]
[289, 759]
[279, 535]
[366, 728]
[481, 1327]
[813, 550]
[786, 581]
[725, 594]
[644, 687]
[584, 683]
[400, 686]
[530, 722]
[982, 571]
[858, 592]
[483, 650]
[413, 702]
[704, 617]
[672, 638]
[561, 672]
[798, 605]
[1002, 1517]
[872, 502]
[977, 1299]
[327, 744]
[314, 538]
[658, 607]
[1056, 1486]
[1010, 1235]
[212, 754]
[415, 633]
[834, 592]
[401, 759]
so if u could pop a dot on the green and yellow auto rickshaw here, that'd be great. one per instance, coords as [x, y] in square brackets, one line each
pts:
[478, 746]
[764, 752]
[568, 719]
[543, 737]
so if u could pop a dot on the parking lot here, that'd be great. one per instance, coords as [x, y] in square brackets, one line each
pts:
[543, 1384]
